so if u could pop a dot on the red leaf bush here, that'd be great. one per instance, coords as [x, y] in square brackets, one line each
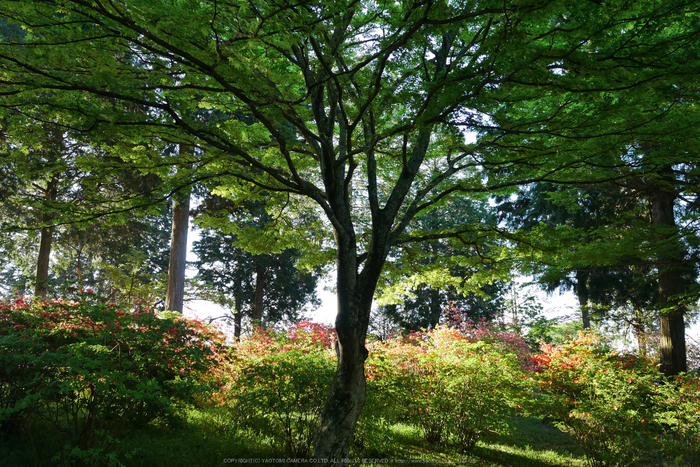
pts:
[621, 409]
[92, 369]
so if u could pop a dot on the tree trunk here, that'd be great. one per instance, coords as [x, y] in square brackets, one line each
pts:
[175, 294]
[237, 318]
[260, 275]
[42, 263]
[43, 260]
[348, 391]
[582, 294]
[355, 289]
[672, 345]
[237, 299]
[435, 308]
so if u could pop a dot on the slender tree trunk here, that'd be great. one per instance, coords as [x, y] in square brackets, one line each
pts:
[237, 299]
[44, 257]
[582, 294]
[175, 294]
[672, 345]
[237, 318]
[260, 275]
[42, 263]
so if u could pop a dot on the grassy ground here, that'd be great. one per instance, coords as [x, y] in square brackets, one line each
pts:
[209, 439]
[531, 443]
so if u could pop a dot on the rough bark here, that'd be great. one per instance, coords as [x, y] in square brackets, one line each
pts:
[582, 295]
[42, 263]
[348, 391]
[175, 294]
[237, 320]
[44, 256]
[672, 344]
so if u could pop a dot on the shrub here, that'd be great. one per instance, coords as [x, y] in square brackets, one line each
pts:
[500, 336]
[604, 398]
[677, 411]
[278, 383]
[455, 389]
[91, 369]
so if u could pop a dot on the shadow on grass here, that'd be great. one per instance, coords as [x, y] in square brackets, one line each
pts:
[533, 442]
[214, 441]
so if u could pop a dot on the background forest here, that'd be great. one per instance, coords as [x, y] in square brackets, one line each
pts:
[427, 155]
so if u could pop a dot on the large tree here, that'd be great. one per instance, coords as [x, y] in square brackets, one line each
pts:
[588, 214]
[358, 106]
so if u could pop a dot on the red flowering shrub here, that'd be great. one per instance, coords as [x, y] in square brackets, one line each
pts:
[92, 369]
[620, 408]
[490, 332]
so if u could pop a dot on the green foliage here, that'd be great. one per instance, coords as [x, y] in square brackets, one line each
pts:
[677, 404]
[281, 396]
[53, 176]
[416, 288]
[230, 275]
[277, 385]
[371, 130]
[456, 390]
[92, 370]
[551, 331]
[620, 408]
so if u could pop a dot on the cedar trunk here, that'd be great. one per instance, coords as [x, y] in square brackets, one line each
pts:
[671, 285]
[44, 257]
[435, 308]
[42, 262]
[238, 313]
[260, 275]
[175, 294]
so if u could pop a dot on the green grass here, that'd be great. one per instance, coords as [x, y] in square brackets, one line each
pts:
[531, 443]
[209, 437]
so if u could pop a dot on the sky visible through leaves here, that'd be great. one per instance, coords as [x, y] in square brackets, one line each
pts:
[556, 305]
